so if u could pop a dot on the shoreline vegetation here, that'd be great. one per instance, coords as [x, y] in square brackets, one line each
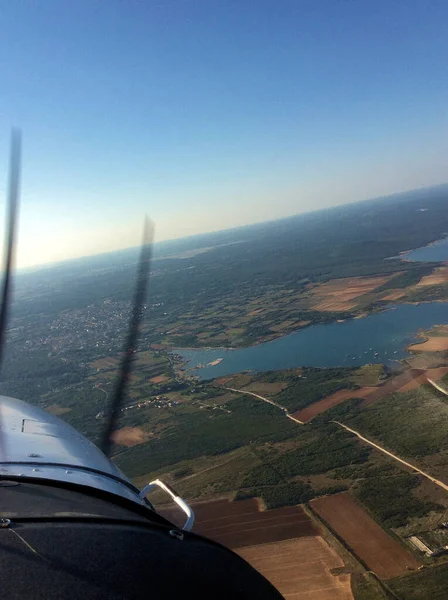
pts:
[406, 252]
[432, 340]
[180, 364]
[309, 287]
[358, 312]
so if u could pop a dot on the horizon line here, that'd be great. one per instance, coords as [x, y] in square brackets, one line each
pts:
[58, 263]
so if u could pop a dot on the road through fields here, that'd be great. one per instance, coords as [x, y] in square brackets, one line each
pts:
[279, 406]
[381, 449]
[444, 486]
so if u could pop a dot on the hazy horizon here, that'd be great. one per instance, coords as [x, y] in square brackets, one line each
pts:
[200, 234]
[208, 116]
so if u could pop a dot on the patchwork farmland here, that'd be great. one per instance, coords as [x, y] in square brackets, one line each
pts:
[283, 544]
[378, 550]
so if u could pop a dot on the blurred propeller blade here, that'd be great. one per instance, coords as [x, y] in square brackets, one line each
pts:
[12, 207]
[131, 340]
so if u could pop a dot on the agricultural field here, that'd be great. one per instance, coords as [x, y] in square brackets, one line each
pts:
[283, 544]
[431, 286]
[239, 524]
[129, 436]
[378, 550]
[309, 387]
[148, 365]
[339, 294]
[408, 380]
[437, 277]
[293, 465]
[306, 414]
[301, 569]
[434, 344]
[393, 295]
[436, 341]
[399, 503]
[301, 557]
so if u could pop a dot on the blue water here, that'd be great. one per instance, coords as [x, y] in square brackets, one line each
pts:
[436, 252]
[387, 333]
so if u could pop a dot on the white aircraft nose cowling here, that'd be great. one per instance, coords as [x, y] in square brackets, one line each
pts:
[36, 444]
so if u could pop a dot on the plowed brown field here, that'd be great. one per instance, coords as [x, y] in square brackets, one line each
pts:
[437, 277]
[238, 524]
[381, 553]
[300, 568]
[409, 380]
[434, 374]
[433, 344]
[159, 379]
[337, 294]
[308, 413]
[394, 295]
[130, 436]
[282, 544]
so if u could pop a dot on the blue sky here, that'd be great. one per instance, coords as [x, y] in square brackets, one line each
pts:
[207, 114]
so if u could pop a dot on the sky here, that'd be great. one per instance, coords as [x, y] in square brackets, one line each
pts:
[208, 114]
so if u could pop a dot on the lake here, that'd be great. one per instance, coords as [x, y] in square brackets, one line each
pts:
[351, 343]
[433, 253]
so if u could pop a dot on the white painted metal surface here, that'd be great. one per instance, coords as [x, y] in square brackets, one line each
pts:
[38, 445]
[177, 499]
[437, 386]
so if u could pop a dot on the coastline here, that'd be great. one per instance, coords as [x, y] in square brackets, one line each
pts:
[425, 337]
[275, 336]
[404, 253]
[180, 364]
[188, 365]
[360, 314]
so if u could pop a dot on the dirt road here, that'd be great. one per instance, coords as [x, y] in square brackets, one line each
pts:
[279, 406]
[361, 437]
[394, 456]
